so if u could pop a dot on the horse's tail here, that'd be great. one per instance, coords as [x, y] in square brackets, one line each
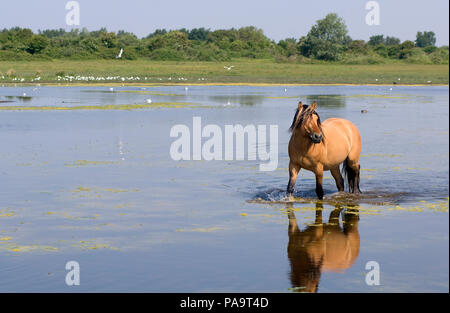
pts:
[352, 177]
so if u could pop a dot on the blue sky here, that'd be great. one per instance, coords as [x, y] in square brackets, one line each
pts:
[278, 18]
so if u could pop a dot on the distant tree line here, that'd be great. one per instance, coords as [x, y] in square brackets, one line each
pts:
[328, 40]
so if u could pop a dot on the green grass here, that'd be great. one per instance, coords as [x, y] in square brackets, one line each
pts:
[244, 71]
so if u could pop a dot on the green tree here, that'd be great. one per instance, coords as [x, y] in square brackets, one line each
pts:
[406, 49]
[109, 39]
[200, 34]
[358, 47]
[36, 44]
[425, 39]
[391, 41]
[326, 39]
[289, 46]
[376, 40]
[126, 39]
[173, 40]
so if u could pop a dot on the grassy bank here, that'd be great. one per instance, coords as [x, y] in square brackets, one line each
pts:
[244, 71]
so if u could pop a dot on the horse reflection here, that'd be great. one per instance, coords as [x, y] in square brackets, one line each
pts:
[322, 247]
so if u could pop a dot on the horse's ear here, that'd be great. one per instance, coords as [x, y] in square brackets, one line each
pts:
[300, 106]
[314, 106]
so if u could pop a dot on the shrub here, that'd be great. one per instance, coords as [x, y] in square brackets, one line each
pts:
[37, 44]
[418, 56]
[166, 54]
[440, 56]
[430, 49]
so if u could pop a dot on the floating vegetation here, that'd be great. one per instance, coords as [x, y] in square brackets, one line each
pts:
[7, 213]
[86, 162]
[93, 245]
[69, 216]
[94, 189]
[439, 206]
[12, 247]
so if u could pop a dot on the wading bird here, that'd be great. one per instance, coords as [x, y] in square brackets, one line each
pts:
[120, 54]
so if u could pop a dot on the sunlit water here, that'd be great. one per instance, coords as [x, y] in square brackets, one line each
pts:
[99, 187]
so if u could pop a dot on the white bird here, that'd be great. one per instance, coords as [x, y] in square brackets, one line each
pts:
[429, 81]
[228, 67]
[120, 54]
[149, 100]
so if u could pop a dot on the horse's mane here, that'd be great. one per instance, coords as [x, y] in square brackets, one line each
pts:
[306, 113]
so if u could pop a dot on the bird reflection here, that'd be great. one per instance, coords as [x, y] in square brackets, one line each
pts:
[322, 246]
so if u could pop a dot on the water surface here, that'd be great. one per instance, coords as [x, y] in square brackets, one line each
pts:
[96, 184]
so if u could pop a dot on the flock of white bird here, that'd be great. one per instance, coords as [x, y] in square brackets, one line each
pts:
[70, 78]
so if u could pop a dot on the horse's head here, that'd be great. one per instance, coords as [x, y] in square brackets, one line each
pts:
[307, 121]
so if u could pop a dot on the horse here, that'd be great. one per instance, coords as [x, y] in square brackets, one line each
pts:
[322, 247]
[318, 147]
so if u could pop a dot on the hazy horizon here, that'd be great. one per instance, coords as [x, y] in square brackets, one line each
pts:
[279, 20]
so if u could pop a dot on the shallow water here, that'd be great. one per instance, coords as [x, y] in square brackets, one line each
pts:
[96, 184]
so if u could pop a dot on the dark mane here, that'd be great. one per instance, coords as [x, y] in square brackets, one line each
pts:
[304, 116]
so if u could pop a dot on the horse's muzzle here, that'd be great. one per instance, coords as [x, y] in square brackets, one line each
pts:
[316, 138]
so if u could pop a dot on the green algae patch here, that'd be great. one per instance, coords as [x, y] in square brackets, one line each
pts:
[94, 189]
[436, 207]
[7, 213]
[126, 107]
[30, 248]
[86, 162]
[93, 245]
[69, 216]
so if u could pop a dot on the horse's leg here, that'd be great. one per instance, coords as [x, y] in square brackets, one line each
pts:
[319, 178]
[334, 216]
[355, 167]
[293, 172]
[353, 161]
[293, 228]
[338, 178]
[319, 209]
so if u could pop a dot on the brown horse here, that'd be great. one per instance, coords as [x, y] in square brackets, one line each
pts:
[319, 147]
